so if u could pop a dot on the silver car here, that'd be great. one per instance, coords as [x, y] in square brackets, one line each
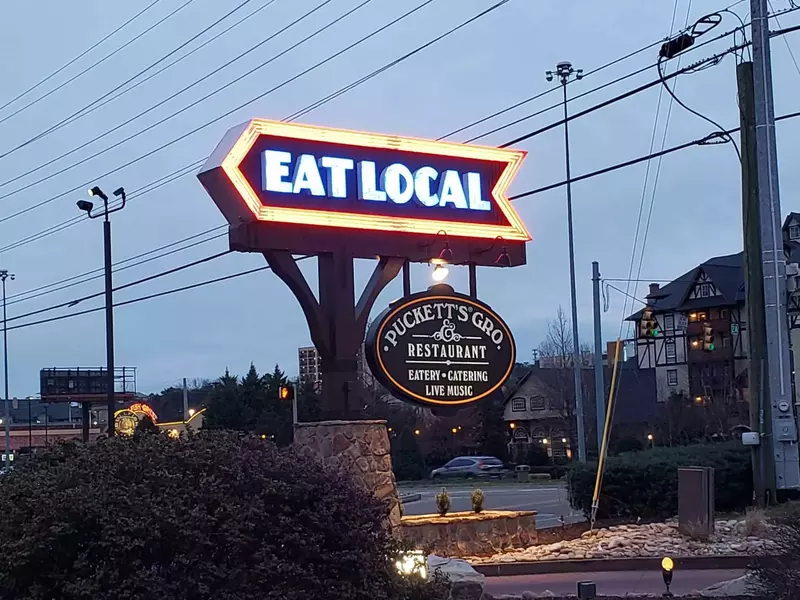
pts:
[471, 467]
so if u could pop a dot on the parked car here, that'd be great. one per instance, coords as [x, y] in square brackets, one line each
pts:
[471, 467]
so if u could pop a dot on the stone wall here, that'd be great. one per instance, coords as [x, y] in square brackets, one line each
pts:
[361, 448]
[470, 534]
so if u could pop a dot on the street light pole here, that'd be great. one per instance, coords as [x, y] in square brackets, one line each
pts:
[7, 421]
[564, 71]
[87, 206]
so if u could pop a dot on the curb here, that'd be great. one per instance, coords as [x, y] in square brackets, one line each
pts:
[406, 498]
[688, 563]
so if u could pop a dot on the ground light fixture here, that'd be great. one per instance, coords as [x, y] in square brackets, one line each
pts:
[667, 566]
[440, 273]
[413, 563]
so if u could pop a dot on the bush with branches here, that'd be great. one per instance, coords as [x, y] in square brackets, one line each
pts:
[217, 515]
[645, 484]
[780, 578]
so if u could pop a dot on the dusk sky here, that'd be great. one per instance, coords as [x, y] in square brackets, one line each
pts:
[495, 62]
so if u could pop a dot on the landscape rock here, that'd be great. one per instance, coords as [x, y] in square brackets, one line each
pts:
[465, 582]
[640, 541]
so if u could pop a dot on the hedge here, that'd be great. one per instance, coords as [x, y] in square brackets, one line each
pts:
[215, 516]
[645, 484]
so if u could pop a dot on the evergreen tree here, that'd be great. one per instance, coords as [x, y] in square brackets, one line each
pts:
[407, 461]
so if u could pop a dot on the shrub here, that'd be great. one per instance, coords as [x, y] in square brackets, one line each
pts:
[645, 484]
[781, 579]
[212, 516]
[477, 500]
[443, 502]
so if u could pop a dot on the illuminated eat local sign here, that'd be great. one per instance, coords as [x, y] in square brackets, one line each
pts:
[297, 175]
[440, 348]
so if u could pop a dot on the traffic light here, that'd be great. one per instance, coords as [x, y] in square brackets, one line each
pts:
[708, 337]
[648, 326]
[286, 392]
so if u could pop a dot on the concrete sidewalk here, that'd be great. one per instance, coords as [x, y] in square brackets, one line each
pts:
[610, 583]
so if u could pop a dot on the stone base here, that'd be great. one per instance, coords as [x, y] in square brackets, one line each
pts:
[471, 534]
[359, 447]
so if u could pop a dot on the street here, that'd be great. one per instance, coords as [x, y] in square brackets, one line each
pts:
[549, 500]
[618, 583]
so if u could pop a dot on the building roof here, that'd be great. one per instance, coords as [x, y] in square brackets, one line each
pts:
[636, 390]
[725, 272]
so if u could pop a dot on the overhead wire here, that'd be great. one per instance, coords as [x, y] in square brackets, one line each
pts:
[660, 158]
[305, 110]
[225, 114]
[593, 90]
[72, 61]
[647, 173]
[707, 140]
[786, 41]
[151, 296]
[704, 140]
[112, 94]
[343, 90]
[98, 62]
[148, 110]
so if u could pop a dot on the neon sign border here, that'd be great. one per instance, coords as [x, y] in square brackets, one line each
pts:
[515, 231]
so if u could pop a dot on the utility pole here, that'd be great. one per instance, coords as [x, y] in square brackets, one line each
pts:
[778, 406]
[763, 474]
[563, 71]
[185, 401]
[599, 384]
[7, 421]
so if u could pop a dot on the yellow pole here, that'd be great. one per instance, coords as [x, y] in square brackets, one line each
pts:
[606, 433]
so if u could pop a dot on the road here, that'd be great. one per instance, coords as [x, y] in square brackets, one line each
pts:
[617, 583]
[549, 500]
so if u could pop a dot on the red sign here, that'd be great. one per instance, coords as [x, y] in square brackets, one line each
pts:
[300, 175]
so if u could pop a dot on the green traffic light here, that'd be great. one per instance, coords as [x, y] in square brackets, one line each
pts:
[711, 346]
[656, 332]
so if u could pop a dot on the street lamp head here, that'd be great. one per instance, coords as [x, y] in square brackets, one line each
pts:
[119, 192]
[579, 74]
[85, 205]
[549, 75]
[96, 191]
[564, 68]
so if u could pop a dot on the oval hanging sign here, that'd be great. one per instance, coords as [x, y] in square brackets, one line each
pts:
[440, 347]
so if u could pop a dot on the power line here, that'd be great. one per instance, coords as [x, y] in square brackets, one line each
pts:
[343, 90]
[619, 79]
[118, 269]
[207, 259]
[80, 56]
[647, 175]
[628, 163]
[164, 101]
[107, 97]
[309, 108]
[707, 140]
[146, 189]
[96, 63]
[158, 275]
[157, 149]
[220, 117]
[116, 264]
[152, 296]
